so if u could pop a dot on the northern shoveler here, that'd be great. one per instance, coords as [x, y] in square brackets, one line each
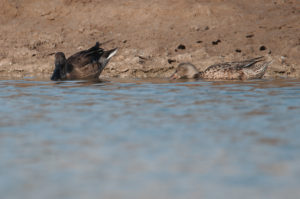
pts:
[247, 69]
[85, 64]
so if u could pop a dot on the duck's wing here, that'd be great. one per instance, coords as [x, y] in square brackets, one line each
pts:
[218, 67]
[82, 58]
[246, 63]
[257, 70]
[235, 65]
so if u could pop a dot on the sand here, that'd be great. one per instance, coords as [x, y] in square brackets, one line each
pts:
[152, 36]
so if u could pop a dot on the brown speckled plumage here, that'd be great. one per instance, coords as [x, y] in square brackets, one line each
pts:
[247, 69]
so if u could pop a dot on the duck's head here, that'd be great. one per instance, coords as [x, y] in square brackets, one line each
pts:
[185, 71]
[59, 72]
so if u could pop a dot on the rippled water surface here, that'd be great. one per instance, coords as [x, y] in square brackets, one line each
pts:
[149, 139]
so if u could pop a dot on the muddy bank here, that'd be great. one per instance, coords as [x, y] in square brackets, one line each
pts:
[152, 36]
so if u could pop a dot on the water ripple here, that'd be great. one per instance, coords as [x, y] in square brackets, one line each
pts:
[149, 139]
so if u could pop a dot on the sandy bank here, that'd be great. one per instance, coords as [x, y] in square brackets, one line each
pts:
[153, 36]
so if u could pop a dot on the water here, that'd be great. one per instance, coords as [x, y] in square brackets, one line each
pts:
[149, 139]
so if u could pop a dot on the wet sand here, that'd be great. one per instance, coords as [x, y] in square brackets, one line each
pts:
[152, 36]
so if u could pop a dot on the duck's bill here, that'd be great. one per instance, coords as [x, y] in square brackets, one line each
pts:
[56, 75]
[175, 76]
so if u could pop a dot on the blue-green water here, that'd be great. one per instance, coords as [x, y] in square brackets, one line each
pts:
[149, 139]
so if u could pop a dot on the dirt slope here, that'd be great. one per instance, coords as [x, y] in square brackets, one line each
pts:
[153, 35]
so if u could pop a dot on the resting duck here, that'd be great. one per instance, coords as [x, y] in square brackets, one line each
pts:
[85, 64]
[248, 69]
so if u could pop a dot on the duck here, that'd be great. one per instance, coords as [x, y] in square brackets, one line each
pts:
[86, 64]
[253, 68]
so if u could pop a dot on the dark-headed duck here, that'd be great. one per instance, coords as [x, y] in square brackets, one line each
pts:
[243, 70]
[85, 64]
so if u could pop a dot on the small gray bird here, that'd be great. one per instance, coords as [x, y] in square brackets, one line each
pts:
[86, 64]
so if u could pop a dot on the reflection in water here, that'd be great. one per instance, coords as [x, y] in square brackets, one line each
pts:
[149, 139]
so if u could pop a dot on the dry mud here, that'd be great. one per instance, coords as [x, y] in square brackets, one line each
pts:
[153, 36]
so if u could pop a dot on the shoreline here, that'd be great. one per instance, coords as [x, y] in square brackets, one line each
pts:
[152, 37]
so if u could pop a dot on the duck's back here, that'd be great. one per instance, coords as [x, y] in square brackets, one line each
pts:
[223, 71]
[248, 69]
[85, 64]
